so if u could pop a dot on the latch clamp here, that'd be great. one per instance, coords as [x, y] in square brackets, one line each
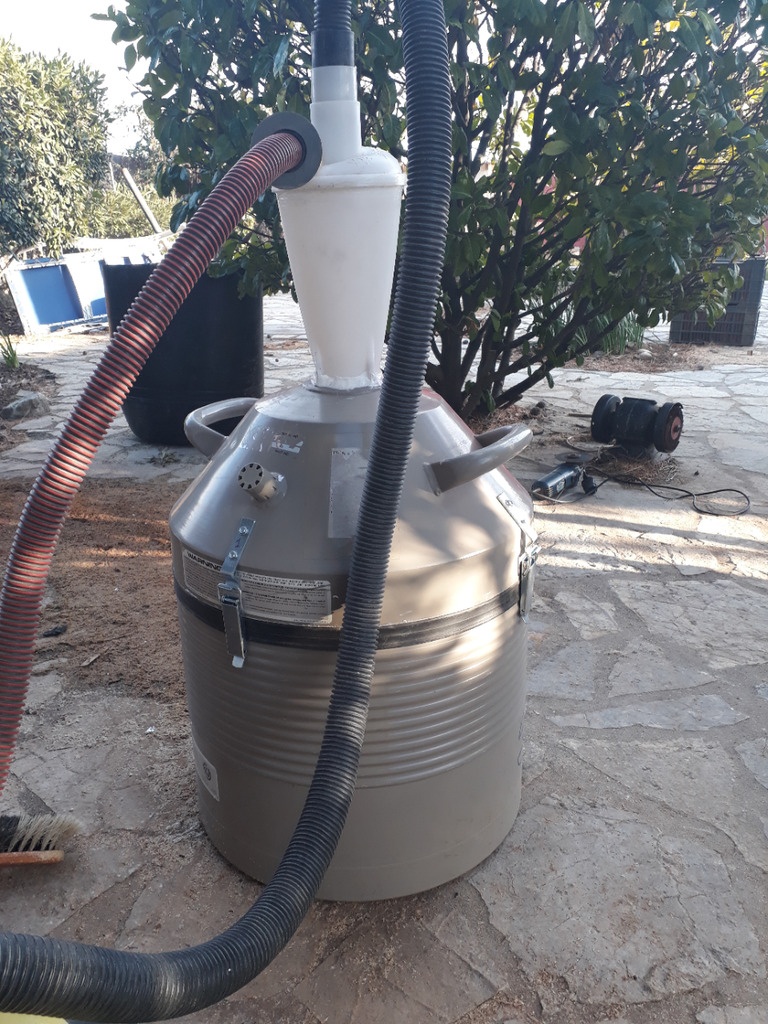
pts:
[529, 552]
[230, 594]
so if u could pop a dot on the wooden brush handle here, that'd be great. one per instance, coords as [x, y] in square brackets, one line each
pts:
[31, 857]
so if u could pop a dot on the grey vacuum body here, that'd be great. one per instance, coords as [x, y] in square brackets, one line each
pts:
[261, 549]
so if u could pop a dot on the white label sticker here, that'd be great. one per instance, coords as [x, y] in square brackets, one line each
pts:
[276, 598]
[348, 467]
[288, 444]
[202, 577]
[205, 770]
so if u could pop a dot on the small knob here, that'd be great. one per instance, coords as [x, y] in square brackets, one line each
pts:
[259, 482]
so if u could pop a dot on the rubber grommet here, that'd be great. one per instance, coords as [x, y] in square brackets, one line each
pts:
[306, 133]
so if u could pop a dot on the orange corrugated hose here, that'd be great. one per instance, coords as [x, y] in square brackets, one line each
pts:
[133, 341]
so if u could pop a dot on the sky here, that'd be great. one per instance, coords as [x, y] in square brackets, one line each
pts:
[47, 26]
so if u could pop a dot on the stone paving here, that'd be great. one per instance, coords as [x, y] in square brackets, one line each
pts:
[632, 888]
[73, 357]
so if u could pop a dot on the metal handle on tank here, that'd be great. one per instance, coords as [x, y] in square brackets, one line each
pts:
[197, 425]
[497, 446]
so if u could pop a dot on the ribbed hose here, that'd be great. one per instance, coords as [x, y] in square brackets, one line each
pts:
[89, 983]
[428, 115]
[333, 14]
[47, 505]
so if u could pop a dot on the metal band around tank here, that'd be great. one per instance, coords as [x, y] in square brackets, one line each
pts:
[324, 638]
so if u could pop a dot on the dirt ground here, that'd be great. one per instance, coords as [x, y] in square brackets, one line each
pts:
[26, 377]
[662, 357]
[110, 612]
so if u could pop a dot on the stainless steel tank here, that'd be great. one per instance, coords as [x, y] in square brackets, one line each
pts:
[261, 548]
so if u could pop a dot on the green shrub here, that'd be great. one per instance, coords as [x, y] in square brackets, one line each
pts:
[118, 215]
[53, 153]
[605, 152]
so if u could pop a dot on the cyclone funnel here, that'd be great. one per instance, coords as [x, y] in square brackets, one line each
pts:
[341, 231]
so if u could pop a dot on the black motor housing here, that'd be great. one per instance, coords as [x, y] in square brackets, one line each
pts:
[637, 423]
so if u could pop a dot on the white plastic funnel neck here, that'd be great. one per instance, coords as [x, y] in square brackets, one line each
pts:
[335, 112]
[341, 232]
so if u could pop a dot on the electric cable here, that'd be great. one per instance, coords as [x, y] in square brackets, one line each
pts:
[681, 493]
[590, 488]
[597, 451]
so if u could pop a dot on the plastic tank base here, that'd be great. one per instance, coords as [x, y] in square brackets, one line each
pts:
[440, 773]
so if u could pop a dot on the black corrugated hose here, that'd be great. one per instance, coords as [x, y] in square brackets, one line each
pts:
[49, 976]
[333, 14]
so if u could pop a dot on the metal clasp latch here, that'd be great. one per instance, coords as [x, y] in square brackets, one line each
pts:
[527, 563]
[230, 594]
[529, 552]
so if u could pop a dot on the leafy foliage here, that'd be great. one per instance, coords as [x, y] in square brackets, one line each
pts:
[215, 71]
[118, 215]
[8, 353]
[144, 156]
[53, 154]
[606, 153]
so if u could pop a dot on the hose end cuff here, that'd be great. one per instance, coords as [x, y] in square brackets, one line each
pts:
[305, 132]
[333, 47]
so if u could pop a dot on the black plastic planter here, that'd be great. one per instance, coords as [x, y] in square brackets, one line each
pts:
[738, 325]
[213, 349]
